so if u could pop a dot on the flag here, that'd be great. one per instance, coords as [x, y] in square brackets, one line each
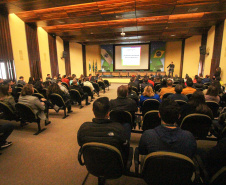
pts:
[93, 66]
[96, 66]
[89, 66]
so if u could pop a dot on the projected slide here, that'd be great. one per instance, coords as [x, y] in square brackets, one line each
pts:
[131, 56]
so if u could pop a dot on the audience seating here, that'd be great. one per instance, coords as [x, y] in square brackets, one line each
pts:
[27, 115]
[214, 106]
[65, 85]
[189, 95]
[181, 103]
[35, 91]
[56, 99]
[7, 112]
[149, 104]
[97, 88]
[87, 90]
[44, 92]
[161, 168]
[38, 95]
[157, 87]
[107, 84]
[219, 178]
[151, 120]
[122, 117]
[103, 161]
[166, 95]
[19, 85]
[198, 124]
[135, 90]
[76, 96]
[101, 85]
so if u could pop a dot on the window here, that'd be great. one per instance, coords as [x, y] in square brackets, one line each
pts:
[7, 70]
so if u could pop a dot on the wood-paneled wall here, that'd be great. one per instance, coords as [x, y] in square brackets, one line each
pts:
[53, 55]
[33, 51]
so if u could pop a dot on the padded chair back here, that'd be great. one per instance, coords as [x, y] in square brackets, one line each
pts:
[106, 82]
[150, 104]
[101, 84]
[219, 178]
[87, 90]
[157, 87]
[167, 168]
[38, 95]
[101, 160]
[44, 92]
[151, 120]
[8, 113]
[35, 91]
[135, 90]
[19, 85]
[121, 116]
[166, 95]
[199, 89]
[65, 85]
[56, 99]
[197, 124]
[214, 106]
[181, 102]
[25, 112]
[96, 87]
[189, 95]
[75, 95]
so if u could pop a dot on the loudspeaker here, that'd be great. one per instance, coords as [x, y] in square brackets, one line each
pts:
[64, 54]
[202, 50]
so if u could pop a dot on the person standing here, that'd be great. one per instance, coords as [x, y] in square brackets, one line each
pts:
[171, 68]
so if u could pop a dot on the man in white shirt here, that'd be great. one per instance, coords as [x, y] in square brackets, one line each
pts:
[63, 88]
[90, 85]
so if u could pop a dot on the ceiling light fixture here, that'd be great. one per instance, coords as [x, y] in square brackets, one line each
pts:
[123, 34]
[173, 35]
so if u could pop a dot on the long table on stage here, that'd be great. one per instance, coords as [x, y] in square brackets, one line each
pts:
[130, 73]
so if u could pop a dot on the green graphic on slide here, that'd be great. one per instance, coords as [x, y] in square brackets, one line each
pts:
[107, 58]
[157, 56]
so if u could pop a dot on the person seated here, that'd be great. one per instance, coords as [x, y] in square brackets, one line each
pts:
[189, 89]
[167, 136]
[123, 103]
[90, 85]
[65, 80]
[48, 78]
[145, 83]
[37, 106]
[73, 77]
[178, 95]
[55, 88]
[21, 80]
[198, 84]
[212, 94]
[151, 81]
[168, 89]
[133, 95]
[6, 98]
[132, 83]
[80, 90]
[54, 80]
[164, 83]
[196, 104]
[59, 77]
[31, 80]
[195, 79]
[5, 131]
[206, 79]
[103, 130]
[148, 94]
[39, 86]
[63, 88]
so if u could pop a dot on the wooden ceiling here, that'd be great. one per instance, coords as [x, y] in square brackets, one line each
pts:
[101, 22]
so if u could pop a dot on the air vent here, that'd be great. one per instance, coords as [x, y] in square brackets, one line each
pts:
[192, 10]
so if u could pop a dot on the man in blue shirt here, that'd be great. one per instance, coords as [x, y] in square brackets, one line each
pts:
[168, 137]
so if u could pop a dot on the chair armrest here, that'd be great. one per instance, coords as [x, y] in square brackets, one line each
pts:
[80, 157]
[201, 172]
[136, 160]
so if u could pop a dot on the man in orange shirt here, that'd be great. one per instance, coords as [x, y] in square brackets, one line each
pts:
[168, 89]
[188, 89]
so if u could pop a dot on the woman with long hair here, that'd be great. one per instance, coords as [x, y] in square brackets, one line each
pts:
[196, 104]
[212, 94]
[31, 80]
[5, 97]
[37, 106]
[148, 94]
[54, 88]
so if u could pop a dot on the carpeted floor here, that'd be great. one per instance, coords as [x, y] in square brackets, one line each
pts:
[51, 157]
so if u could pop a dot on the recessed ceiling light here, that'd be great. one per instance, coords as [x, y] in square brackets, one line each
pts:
[167, 28]
[173, 35]
[118, 16]
[61, 22]
[91, 33]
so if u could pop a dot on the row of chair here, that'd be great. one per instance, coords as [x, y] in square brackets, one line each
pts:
[105, 162]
